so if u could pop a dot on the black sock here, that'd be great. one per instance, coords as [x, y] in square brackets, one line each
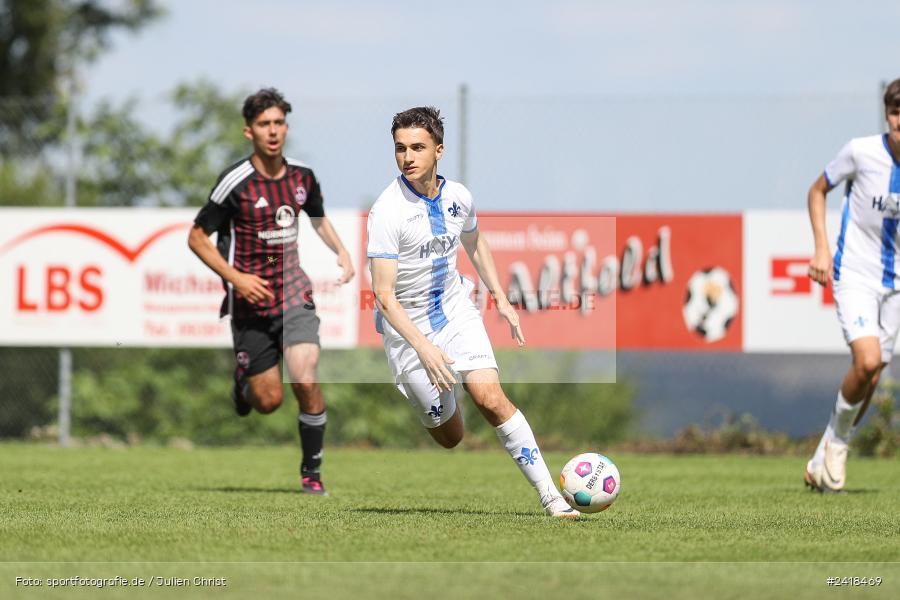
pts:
[312, 437]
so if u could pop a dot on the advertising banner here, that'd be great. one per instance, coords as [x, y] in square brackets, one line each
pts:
[114, 277]
[729, 282]
[785, 310]
[683, 288]
[591, 281]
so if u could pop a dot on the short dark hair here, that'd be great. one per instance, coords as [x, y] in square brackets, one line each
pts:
[427, 117]
[892, 95]
[263, 100]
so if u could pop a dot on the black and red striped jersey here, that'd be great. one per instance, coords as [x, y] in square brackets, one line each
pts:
[256, 219]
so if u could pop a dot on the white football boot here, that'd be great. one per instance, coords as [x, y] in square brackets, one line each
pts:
[828, 474]
[834, 471]
[813, 476]
[556, 506]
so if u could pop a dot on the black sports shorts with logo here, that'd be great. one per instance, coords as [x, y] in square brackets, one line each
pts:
[259, 342]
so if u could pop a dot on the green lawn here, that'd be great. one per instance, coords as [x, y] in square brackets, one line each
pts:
[399, 523]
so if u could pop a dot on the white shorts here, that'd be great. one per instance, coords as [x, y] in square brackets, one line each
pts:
[865, 311]
[463, 339]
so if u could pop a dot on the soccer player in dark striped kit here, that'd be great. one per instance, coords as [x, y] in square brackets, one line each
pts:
[254, 209]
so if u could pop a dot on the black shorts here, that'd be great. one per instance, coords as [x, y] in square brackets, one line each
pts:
[259, 342]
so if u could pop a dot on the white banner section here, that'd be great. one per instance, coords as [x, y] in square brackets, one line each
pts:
[784, 310]
[126, 277]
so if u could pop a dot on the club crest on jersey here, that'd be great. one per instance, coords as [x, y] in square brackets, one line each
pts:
[454, 210]
[300, 195]
[284, 216]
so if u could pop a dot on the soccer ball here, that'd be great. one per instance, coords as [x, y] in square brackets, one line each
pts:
[590, 482]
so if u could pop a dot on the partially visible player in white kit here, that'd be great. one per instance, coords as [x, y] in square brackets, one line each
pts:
[865, 272]
[431, 329]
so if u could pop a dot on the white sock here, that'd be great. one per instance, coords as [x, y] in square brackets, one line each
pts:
[516, 436]
[819, 455]
[842, 418]
[840, 426]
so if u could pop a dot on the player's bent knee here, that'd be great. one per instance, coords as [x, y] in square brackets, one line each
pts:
[267, 401]
[266, 407]
[868, 367]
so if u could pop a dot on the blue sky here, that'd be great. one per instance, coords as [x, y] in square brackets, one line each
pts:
[647, 105]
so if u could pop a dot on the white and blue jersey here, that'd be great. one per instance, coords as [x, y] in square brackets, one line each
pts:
[867, 248]
[423, 235]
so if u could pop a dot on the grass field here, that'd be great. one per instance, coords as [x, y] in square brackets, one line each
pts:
[398, 523]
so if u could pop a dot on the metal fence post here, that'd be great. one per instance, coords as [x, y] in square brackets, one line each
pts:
[65, 354]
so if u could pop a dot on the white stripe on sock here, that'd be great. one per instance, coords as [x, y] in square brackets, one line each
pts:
[313, 420]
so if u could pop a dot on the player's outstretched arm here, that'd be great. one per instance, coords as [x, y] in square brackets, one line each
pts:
[820, 267]
[251, 287]
[480, 254]
[384, 279]
[329, 235]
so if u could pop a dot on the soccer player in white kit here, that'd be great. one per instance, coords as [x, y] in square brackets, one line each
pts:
[431, 329]
[865, 270]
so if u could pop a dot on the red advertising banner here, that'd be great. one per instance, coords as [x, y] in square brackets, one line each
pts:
[550, 266]
[93, 277]
[693, 301]
[591, 281]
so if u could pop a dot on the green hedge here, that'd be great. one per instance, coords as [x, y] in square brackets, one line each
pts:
[28, 382]
[160, 394]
